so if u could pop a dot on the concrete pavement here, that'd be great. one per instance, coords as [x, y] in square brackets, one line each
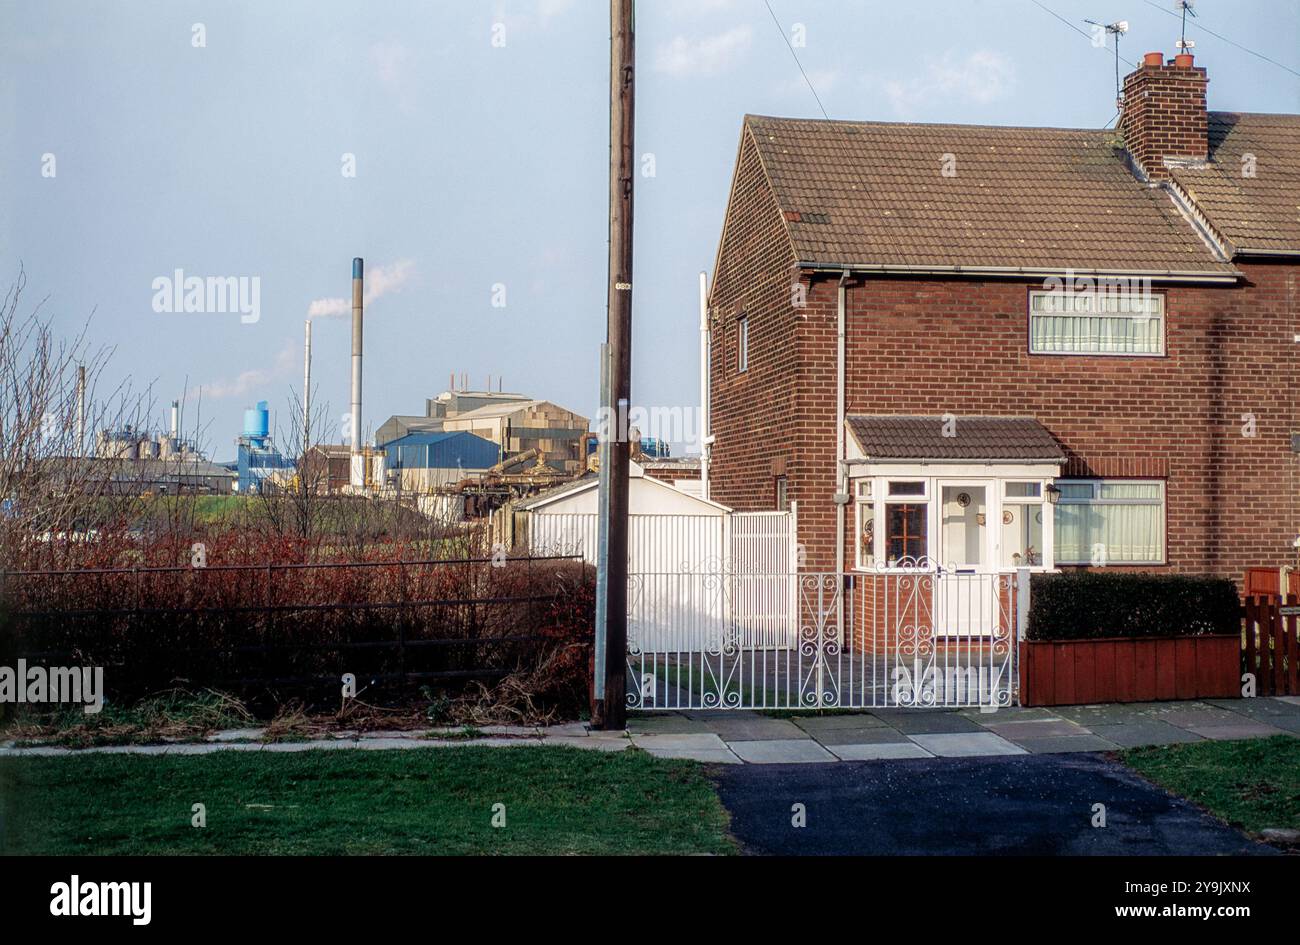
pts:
[744, 737]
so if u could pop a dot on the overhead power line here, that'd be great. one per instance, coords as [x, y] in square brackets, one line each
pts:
[1246, 49]
[1084, 33]
[790, 46]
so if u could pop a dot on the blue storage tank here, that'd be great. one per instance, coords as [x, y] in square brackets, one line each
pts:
[257, 421]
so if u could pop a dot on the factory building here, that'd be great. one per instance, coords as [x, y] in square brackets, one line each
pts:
[515, 423]
[422, 462]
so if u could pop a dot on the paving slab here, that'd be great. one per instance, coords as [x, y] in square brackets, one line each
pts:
[706, 747]
[929, 722]
[237, 735]
[815, 724]
[1245, 729]
[1203, 715]
[785, 751]
[1260, 707]
[1149, 732]
[967, 744]
[666, 725]
[657, 741]
[880, 751]
[1091, 716]
[1011, 713]
[1036, 729]
[563, 730]
[1059, 744]
[861, 736]
[754, 728]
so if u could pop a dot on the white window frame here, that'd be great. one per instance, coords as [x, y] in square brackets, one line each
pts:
[1022, 502]
[1101, 293]
[864, 500]
[882, 517]
[1096, 484]
[742, 344]
[871, 487]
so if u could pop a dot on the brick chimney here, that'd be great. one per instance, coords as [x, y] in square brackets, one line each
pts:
[1164, 113]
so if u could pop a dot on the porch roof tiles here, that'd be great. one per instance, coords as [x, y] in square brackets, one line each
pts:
[972, 438]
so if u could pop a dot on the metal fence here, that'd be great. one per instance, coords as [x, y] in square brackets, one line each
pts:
[293, 626]
[919, 636]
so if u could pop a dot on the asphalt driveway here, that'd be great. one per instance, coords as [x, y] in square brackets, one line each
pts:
[1038, 805]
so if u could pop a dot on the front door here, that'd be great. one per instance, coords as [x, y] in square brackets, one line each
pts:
[964, 585]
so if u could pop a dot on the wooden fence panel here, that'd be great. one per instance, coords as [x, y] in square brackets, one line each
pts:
[1271, 649]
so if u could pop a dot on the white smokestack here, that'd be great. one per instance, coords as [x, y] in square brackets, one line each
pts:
[81, 410]
[306, 387]
[358, 278]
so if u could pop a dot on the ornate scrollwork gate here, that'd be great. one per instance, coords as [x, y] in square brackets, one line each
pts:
[916, 635]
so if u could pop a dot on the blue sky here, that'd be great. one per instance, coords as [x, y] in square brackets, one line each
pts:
[478, 165]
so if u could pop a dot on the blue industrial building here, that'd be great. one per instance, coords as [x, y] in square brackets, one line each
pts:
[450, 450]
[258, 458]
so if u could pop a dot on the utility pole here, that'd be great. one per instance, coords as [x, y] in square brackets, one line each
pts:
[611, 712]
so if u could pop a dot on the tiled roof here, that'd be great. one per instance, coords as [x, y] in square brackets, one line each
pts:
[1259, 212]
[874, 194]
[974, 439]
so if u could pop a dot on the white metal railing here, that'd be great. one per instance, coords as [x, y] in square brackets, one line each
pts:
[921, 637]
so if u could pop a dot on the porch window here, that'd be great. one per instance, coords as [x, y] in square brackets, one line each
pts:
[906, 526]
[865, 555]
[1105, 321]
[1110, 521]
[1022, 525]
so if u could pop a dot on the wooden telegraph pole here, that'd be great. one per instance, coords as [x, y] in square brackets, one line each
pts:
[611, 711]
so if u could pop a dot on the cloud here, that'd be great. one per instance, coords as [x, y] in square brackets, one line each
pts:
[390, 60]
[682, 57]
[254, 379]
[380, 281]
[980, 78]
[823, 80]
[548, 9]
[684, 8]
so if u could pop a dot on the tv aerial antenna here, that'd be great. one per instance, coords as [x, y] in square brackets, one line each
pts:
[1186, 7]
[1116, 29]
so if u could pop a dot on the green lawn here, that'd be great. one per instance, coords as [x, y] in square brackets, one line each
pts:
[1251, 784]
[352, 801]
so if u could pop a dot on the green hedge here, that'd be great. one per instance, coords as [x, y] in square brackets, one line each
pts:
[1087, 605]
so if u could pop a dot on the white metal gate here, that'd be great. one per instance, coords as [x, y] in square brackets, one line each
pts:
[904, 637]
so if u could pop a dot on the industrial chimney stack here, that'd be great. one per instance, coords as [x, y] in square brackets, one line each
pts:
[306, 388]
[81, 410]
[358, 476]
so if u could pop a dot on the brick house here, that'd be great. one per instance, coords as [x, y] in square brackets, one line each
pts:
[975, 348]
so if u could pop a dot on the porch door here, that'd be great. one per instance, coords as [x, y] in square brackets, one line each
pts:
[966, 578]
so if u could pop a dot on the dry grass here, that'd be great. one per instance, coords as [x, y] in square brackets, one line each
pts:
[176, 715]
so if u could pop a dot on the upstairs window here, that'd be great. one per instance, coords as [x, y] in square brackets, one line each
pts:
[742, 344]
[1104, 321]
